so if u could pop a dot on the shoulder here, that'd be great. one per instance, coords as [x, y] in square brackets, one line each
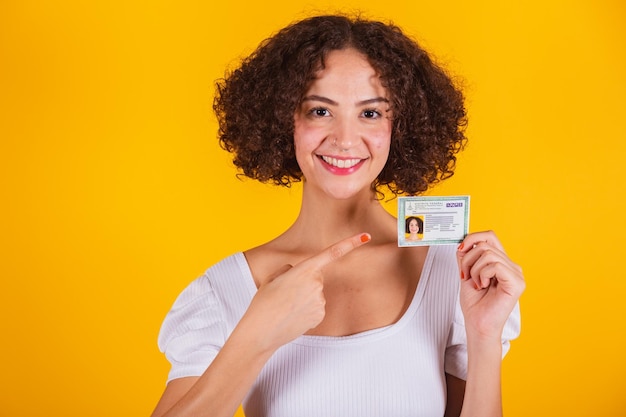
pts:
[203, 287]
[442, 280]
[444, 252]
[202, 316]
[201, 301]
[264, 260]
[443, 262]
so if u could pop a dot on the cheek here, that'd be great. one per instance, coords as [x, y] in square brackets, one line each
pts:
[382, 136]
[381, 140]
[306, 137]
[305, 143]
[302, 142]
[299, 136]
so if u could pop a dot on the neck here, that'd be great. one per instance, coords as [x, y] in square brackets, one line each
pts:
[324, 220]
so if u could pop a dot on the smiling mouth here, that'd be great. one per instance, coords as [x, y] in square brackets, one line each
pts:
[341, 163]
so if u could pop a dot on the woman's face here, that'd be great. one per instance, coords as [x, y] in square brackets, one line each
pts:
[343, 126]
[413, 226]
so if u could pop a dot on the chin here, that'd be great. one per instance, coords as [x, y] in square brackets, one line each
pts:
[347, 193]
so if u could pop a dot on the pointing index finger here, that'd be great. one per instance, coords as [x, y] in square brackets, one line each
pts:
[338, 250]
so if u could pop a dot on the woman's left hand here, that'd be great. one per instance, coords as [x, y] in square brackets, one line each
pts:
[491, 283]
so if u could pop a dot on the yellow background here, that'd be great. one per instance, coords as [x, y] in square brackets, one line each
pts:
[115, 194]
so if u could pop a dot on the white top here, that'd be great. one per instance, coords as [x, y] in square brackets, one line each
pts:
[398, 370]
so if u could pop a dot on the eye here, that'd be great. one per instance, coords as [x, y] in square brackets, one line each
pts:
[371, 114]
[319, 112]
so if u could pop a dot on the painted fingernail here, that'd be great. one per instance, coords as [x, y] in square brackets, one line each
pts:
[476, 286]
[461, 246]
[462, 275]
[365, 237]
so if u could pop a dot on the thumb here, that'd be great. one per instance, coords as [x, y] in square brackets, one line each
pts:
[278, 273]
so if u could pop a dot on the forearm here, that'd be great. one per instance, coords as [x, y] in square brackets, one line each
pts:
[483, 391]
[222, 387]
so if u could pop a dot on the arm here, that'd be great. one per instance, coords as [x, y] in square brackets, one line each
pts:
[490, 288]
[455, 393]
[220, 390]
[284, 308]
[483, 393]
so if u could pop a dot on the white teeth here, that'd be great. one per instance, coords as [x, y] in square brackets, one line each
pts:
[341, 163]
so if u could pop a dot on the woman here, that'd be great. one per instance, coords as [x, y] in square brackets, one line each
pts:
[331, 317]
[414, 228]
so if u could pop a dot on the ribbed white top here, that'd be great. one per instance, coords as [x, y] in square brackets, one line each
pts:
[397, 370]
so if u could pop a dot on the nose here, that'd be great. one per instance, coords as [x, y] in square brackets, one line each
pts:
[346, 135]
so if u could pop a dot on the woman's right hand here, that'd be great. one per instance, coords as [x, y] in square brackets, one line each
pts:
[292, 301]
[283, 308]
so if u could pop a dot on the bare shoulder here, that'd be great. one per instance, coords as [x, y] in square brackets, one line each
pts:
[266, 259]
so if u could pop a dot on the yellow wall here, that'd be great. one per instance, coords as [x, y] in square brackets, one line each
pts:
[115, 194]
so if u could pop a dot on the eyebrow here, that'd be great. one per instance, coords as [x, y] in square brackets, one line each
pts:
[334, 103]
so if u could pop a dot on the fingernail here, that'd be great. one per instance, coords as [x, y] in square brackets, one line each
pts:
[365, 237]
[462, 275]
[476, 286]
[461, 246]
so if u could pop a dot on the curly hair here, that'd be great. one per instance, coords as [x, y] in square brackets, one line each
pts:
[255, 104]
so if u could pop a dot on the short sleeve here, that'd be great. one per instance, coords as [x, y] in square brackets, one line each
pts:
[193, 331]
[456, 351]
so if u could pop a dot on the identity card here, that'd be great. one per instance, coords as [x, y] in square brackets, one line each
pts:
[432, 220]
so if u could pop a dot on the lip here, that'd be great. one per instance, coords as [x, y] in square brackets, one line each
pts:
[341, 165]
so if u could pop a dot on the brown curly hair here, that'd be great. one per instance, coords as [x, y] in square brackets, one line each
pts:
[255, 104]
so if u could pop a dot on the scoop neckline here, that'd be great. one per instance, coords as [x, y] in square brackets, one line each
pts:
[366, 335]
